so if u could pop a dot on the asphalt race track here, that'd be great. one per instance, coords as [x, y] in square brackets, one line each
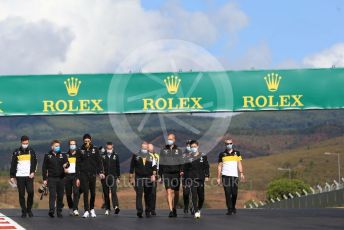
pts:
[211, 220]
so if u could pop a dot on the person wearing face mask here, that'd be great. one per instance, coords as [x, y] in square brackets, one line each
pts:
[112, 172]
[229, 164]
[186, 190]
[72, 183]
[144, 167]
[170, 171]
[22, 173]
[90, 166]
[196, 172]
[53, 172]
[156, 158]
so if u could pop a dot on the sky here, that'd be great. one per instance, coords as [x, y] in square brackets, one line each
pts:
[108, 36]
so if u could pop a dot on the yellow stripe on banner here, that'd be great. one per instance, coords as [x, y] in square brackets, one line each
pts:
[72, 159]
[25, 157]
[231, 158]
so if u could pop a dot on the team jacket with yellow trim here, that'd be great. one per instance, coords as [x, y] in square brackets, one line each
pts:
[196, 167]
[171, 160]
[229, 162]
[143, 166]
[53, 165]
[90, 161]
[24, 162]
[111, 164]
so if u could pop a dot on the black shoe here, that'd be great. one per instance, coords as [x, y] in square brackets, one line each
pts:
[59, 215]
[23, 215]
[229, 213]
[139, 214]
[30, 214]
[171, 214]
[153, 213]
[148, 214]
[186, 211]
[174, 212]
[117, 210]
[51, 214]
[192, 211]
[234, 211]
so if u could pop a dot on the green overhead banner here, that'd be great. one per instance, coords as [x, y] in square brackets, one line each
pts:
[172, 92]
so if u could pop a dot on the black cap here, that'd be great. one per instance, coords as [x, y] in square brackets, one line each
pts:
[109, 143]
[87, 136]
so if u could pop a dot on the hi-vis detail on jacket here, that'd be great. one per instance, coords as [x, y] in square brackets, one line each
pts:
[72, 163]
[24, 165]
[230, 163]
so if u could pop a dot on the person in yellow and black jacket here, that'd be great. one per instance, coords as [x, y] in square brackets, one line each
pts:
[72, 183]
[53, 172]
[196, 172]
[112, 173]
[142, 164]
[22, 173]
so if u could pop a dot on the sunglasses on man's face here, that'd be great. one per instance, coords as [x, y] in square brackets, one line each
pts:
[229, 143]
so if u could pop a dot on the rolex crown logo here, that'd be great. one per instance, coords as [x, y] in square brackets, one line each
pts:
[172, 84]
[272, 81]
[72, 86]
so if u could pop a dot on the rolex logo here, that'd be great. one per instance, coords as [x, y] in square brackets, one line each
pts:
[72, 86]
[272, 81]
[172, 84]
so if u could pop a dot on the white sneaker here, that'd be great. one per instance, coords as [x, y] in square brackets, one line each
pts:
[93, 213]
[71, 213]
[76, 213]
[86, 215]
[198, 215]
[107, 212]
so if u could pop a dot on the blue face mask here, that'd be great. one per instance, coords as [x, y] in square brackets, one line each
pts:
[72, 147]
[57, 149]
[170, 142]
[188, 148]
[144, 151]
[194, 150]
[229, 146]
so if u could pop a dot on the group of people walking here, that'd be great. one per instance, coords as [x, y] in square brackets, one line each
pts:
[75, 172]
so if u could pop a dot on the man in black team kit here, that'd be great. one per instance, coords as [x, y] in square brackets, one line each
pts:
[53, 168]
[170, 170]
[22, 172]
[186, 189]
[72, 183]
[196, 171]
[143, 165]
[112, 172]
[90, 166]
[229, 164]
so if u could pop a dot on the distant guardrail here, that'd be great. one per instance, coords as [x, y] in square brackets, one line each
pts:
[329, 195]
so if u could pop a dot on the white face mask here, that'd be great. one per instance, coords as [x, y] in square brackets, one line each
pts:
[24, 146]
[109, 151]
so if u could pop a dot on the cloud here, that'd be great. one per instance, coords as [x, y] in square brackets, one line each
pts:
[333, 56]
[87, 36]
[28, 47]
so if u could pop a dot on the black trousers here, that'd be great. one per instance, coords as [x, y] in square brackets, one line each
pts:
[143, 186]
[196, 187]
[186, 194]
[230, 185]
[154, 191]
[25, 183]
[56, 190]
[72, 191]
[109, 185]
[88, 185]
